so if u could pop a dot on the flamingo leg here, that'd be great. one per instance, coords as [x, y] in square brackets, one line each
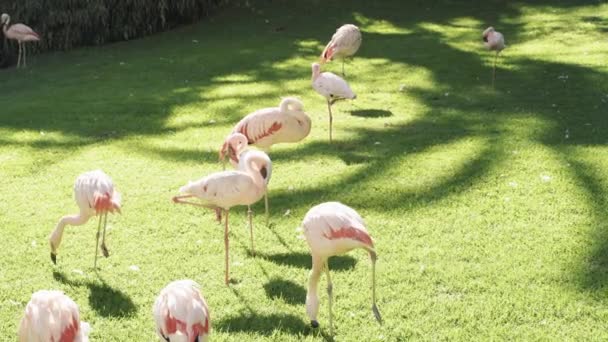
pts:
[374, 306]
[104, 249]
[97, 243]
[24, 53]
[330, 299]
[266, 206]
[343, 74]
[494, 69]
[226, 246]
[249, 217]
[330, 119]
[19, 54]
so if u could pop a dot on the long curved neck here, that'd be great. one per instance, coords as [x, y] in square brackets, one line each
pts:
[253, 171]
[57, 234]
[312, 294]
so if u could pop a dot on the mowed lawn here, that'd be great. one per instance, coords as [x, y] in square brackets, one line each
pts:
[487, 206]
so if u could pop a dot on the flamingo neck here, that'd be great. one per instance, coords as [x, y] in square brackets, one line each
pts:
[312, 294]
[253, 171]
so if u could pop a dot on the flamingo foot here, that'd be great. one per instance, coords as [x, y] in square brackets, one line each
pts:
[104, 250]
[54, 258]
[314, 324]
[377, 313]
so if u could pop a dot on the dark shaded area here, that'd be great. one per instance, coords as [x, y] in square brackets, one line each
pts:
[263, 324]
[304, 260]
[286, 290]
[104, 299]
[371, 113]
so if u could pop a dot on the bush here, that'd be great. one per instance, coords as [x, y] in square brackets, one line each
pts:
[64, 24]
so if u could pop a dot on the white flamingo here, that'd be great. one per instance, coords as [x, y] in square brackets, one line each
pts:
[344, 43]
[19, 32]
[493, 41]
[52, 316]
[333, 228]
[226, 189]
[265, 127]
[181, 313]
[332, 87]
[95, 195]
[235, 148]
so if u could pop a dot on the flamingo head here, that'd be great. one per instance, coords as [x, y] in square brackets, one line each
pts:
[487, 32]
[234, 144]
[316, 70]
[5, 19]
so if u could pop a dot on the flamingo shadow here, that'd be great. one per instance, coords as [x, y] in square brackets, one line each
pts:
[304, 260]
[371, 113]
[286, 290]
[264, 324]
[105, 300]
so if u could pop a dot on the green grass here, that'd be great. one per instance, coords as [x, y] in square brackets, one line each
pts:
[487, 207]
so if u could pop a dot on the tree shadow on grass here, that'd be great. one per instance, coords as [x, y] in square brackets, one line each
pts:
[286, 290]
[304, 260]
[371, 113]
[105, 300]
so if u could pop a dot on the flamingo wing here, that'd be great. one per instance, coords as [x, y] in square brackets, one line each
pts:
[260, 124]
[336, 221]
[23, 32]
[331, 85]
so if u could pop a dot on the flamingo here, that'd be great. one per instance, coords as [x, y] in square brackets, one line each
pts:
[52, 316]
[333, 228]
[95, 195]
[332, 87]
[344, 43]
[493, 41]
[223, 190]
[265, 127]
[234, 147]
[19, 32]
[181, 313]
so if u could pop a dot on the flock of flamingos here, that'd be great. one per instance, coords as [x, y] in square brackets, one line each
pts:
[180, 311]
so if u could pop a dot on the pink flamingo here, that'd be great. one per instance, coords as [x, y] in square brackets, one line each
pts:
[95, 195]
[235, 148]
[52, 316]
[181, 313]
[332, 87]
[265, 127]
[344, 43]
[493, 41]
[226, 189]
[19, 32]
[333, 228]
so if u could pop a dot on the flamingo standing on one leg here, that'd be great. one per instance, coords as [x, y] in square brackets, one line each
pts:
[223, 190]
[332, 87]
[181, 313]
[330, 229]
[493, 41]
[52, 316]
[95, 195]
[235, 149]
[344, 43]
[19, 32]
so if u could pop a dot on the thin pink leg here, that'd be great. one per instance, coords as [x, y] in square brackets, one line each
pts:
[226, 246]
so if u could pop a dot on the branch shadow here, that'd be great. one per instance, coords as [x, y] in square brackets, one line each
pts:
[286, 290]
[103, 299]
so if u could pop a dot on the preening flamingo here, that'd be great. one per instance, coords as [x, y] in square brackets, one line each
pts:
[19, 32]
[333, 228]
[493, 41]
[52, 316]
[268, 126]
[226, 189]
[181, 313]
[235, 148]
[344, 43]
[95, 195]
[332, 87]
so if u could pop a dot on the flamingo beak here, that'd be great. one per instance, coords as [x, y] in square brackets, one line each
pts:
[314, 324]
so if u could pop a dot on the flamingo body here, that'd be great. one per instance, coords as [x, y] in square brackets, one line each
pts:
[181, 313]
[95, 195]
[344, 43]
[333, 228]
[493, 40]
[19, 32]
[268, 126]
[52, 316]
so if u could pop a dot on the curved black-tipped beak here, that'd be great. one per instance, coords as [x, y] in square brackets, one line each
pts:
[54, 258]
[314, 324]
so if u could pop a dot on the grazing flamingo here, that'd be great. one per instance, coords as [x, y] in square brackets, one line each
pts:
[493, 41]
[19, 32]
[181, 313]
[268, 126]
[235, 149]
[223, 190]
[330, 229]
[332, 87]
[52, 316]
[344, 43]
[95, 195]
